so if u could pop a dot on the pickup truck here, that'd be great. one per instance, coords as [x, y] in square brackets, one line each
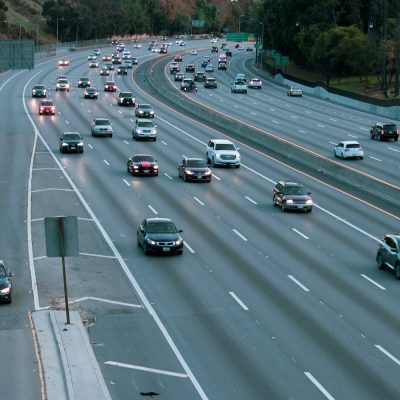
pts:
[238, 87]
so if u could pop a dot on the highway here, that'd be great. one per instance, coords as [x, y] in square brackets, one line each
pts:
[261, 305]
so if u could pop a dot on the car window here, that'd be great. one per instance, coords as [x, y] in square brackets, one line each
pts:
[102, 122]
[195, 164]
[389, 128]
[353, 146]
[147, 124]
[161, 227]
[142, 158]
[224, 146]
[294, 190]
[3, 272]
[72, 136]
[390, 242]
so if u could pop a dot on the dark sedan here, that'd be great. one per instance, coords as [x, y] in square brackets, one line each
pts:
[194, 169]
[159, 235]
[291, 195]
[71, 142]
[39, 91]
[5, 283]
[142, 164]
[91, 93]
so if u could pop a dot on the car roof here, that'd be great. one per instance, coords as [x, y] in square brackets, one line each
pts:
[145, 105]
[221, 141]
[290, 183]
[158, 219]
[349, 142]
[144, 120]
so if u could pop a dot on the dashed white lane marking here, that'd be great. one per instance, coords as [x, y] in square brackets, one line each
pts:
[120, 303]
[67, 122]
[153, 210]
[333, 143]
[300, 233]
[106, 162]
[90, 146]
[199, 201]
[51, 189]
[333, 119]
[272, 109]
[253, 113]
[45, 169]
[391, 148]
[164, 143]
[168, 176]
[321, 126]
[301, 131]
[240, 302]
[131, 119]
[89, 111]
[126, 142]
[294, 117]
[374, 158]
[250, 200]
[391, 356]
[188, 247]
[126, 182]
[363, 129]
[120, 111]
[153, 370]
[240, 235]
[318, 385]
[308, 112]
[235, 106]
[216, 177]
[353, 136]
[275, 122]
[291, 277]
[373, 282]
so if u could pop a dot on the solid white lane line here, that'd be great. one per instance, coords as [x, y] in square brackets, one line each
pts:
[126, 182]
[240, 235]
[373, 282]
[125, 141]
[374, 158]
[250, 200]
[46, 168]
[391, 148]
[391, 356]
[152, 209]
[156, 371]
[298, 283]
[216, 177]
[240, 302]
[299, 233]
[333, 143]
[97, 255]
[168, 176]
[51, 189]
[67, 122]
[106, 162]
[164, 143]
[319, 386]
[188, 247]
[299, 130]
[120, 303]
[90, 146]
[199, 201]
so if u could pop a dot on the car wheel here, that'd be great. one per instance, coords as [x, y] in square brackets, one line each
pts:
[396, 139]
[184, 178]
[309, 210]
[335, 154]
[361, 158]
[145, 250]
[379, 262]
[238, 166]
[283, 206]
[180, 252]
[371, 136]
[342, 156]
[154, 139]
[274, 201]
[397, 271]
[379, 138]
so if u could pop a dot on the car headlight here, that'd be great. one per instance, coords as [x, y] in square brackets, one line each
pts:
[140, 112]
[152, 242]
[178, 242]
[58, 85]
[136, 167]
[151, 112]
[80, 144]
[33, 91]
[155, 166]
[207, 173]
[309, 202]
[289, 201]
[6, 290]
[189, 172]
[218, 155]
[64, 145]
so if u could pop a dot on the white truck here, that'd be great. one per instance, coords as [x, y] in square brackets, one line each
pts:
[239, 87]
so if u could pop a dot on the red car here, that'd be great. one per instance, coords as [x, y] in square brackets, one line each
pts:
[110, 86]
[190, 68]
[178, 58]
[47, 107]
[106, 57]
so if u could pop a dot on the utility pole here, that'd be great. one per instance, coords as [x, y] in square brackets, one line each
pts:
[384, 85]
[397, 55]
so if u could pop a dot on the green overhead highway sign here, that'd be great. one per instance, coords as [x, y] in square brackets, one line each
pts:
[240, 37]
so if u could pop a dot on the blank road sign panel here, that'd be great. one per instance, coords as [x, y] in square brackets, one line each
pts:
[54, 235]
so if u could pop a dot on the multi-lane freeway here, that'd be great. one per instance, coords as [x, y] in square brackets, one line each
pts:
[261, 305]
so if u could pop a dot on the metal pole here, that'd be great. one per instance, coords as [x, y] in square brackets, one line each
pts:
[57, 38]
[62, 250]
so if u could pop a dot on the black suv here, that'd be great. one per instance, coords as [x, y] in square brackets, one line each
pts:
[39, 91]
[389, 254]
[126, 99]
[71, 141]
[381, 131]
[290, 195]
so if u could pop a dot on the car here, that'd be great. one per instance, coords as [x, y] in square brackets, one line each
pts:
[135, 61]
[155, 49]
[179, 76]
[47, 107]
[114, 41]
[181, 43]
[126, 99]
[214, 40]
[105, 71]
[209, 68]
[137, 46]
[110, 86]
[39, 91]
[382, 131]
[194, 169]
[128, 64]
[96, 52]
[144, 129]
[63, 63]
[210, 83]
[190, 68]
[107, 57]
[241, 48]
[204, 63]
[223, 45]
[5, 283]
[92, 57]
[348, 149]
[222, 152]
[292, 195]
[90, 93]
[193, 53]
[221, 65]
[159, 235]
[238, 86]
[188, 85]
[163, 50]
[214, 49]
[126, 55]
[142, 164]
[199, 76]
[222, 58]
[294, 92]
[144, 110]
[84, 82]
[71, 142]
[174, 67]
[237, 45]
[388, 254]
[241, 77]
[62, 85]
[93, 64]
[121, 47]
[249, 48]
[116, 60]
[255, 83]
[122, 70]
[110, 66]
[101, 127]
[228, 53]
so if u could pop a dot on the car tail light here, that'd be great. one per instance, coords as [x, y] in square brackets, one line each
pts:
[382, 132]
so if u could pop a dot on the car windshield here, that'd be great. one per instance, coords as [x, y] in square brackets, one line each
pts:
[161, 227]
[211, 80]
[102, 122]
[91, 89]
[225, 146]
[145, 106]
[142, 158]
[125, 94]
[389, 128]
[47, 103]
[294, 190]
[72, 136]
[38, 87]
[63, 81]
[110, 83]
[84, 79]
[145, 124]
[353, 146]
[195, 164]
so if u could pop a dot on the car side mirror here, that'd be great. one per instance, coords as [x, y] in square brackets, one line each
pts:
[308, 193]
[237, 148]
[11, 274]
[61, 139]
[180, 230]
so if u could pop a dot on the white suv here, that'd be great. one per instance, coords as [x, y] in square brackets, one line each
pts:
[222, 152]
[348, 149]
